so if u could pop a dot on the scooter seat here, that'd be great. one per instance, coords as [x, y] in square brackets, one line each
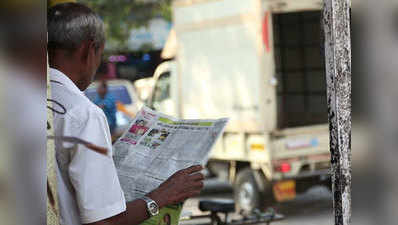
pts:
[217, 205]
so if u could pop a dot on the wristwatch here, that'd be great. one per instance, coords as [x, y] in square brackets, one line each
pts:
[151, 205]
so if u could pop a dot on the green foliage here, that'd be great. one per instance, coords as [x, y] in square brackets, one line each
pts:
[120, 16]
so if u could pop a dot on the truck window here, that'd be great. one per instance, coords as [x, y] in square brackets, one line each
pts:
[300, 69]
[162, 89]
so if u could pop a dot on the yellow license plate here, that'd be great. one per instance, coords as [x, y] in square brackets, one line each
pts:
[285, 190]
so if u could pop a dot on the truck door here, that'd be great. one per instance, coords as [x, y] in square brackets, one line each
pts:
[161, 98]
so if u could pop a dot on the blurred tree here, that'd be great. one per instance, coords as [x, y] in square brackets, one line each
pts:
[120, 16]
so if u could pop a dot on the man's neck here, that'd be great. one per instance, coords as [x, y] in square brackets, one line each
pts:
[67, 67]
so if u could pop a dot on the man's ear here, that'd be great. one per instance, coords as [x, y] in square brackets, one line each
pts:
[87, 51]
[92, 47]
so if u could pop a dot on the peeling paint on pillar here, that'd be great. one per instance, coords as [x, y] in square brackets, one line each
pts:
[336, 25]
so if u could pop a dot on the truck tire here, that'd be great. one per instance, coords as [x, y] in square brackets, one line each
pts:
[248, 194]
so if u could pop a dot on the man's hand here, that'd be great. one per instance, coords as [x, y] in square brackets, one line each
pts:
[183, 184]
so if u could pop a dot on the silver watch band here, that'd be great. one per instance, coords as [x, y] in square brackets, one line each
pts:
[146, 199]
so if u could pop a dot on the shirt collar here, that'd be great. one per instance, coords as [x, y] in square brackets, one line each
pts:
[60, 77]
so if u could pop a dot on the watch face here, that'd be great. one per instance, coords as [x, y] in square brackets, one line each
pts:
[153, 208]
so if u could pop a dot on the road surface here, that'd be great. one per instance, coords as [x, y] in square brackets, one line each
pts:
[311, 208]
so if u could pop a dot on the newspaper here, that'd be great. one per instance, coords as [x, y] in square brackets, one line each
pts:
[156, 146]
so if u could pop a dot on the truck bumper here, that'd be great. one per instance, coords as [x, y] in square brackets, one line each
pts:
[306, 180]
[307, 174]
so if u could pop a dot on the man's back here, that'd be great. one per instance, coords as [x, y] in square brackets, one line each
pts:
[89, 188]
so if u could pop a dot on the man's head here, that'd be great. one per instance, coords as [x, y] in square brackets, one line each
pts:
[102, 89]
[76, 41]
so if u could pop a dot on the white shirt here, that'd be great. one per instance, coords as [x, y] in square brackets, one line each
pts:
[88, 185]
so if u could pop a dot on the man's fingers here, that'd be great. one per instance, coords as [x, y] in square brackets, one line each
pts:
[193, 169]
[192, 186]
[191, 194]
[197, 177]
[197, 184]
[188, 194]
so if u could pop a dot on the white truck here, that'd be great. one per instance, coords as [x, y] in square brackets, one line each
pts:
[260, 64]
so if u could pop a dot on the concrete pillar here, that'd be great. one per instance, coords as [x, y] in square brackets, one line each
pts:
[336, 24]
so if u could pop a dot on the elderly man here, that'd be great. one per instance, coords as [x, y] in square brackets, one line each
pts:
[88, 187]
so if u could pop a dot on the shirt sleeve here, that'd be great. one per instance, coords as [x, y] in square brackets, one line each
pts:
[93, 176]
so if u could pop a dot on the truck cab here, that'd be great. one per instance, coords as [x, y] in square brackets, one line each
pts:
[260, 64]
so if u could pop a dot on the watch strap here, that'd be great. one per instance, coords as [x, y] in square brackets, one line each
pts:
[147, 199]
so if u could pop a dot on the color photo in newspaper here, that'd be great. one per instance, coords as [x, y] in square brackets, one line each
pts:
[156, 146]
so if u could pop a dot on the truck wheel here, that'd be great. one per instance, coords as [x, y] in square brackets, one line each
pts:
[247, 193]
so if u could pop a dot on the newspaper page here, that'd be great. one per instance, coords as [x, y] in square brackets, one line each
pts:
[156, 146]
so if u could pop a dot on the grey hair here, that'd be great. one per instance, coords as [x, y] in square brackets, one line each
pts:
[71, 24]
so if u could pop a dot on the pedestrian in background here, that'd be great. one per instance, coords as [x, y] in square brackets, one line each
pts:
[107, 103]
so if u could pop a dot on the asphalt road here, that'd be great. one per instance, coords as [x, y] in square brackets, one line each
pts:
[311, 208]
